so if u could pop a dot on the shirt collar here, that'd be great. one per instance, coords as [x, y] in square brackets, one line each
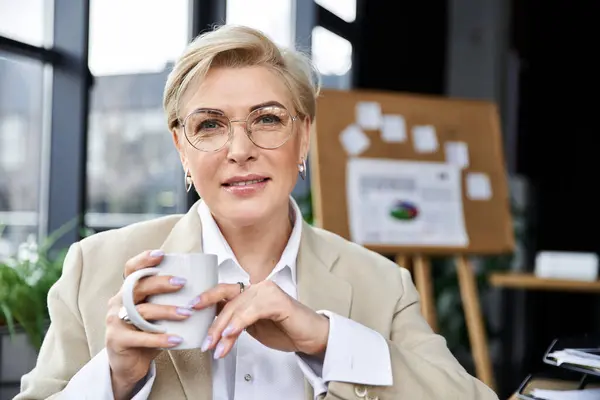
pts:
[213, 241]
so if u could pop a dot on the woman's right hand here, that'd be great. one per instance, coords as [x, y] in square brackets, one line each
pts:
[131, 351]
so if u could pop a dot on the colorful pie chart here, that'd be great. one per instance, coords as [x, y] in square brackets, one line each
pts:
[404, 211]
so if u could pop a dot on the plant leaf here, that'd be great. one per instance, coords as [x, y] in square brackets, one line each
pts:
[8, 318]
[57, 234]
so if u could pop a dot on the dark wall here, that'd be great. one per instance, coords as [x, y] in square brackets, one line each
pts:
[401, 45]
[558, 151]
[558, 146]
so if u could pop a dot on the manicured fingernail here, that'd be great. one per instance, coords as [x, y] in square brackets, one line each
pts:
[228, 331]
[195, 301]
[207, 342]
[184, 311]
[219, 351]
[175, 339]
[177, 281]
[157, 253]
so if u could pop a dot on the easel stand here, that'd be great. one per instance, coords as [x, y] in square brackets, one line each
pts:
[420, 266]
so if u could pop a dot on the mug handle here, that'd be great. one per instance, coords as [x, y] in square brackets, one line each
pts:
[128, 302]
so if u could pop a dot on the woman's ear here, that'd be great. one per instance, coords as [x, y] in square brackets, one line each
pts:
[305, 133]
[180, 148]
[176, 140]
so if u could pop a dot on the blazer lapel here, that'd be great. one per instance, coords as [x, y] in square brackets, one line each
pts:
[318, 287]
[191, 366]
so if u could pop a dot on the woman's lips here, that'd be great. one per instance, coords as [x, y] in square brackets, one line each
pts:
[246, 188]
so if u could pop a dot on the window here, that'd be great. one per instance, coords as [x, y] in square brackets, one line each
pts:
[274, 18]
[21, 141]
[332, 56]
[26, 21]
[345, 9]
[134, 171]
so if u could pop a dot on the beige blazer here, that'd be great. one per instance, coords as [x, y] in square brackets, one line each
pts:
[333, 274]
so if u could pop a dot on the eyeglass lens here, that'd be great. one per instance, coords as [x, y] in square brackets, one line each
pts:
[267, 127]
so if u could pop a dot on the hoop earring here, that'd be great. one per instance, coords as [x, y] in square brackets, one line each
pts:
[188, 181]
[302, 169]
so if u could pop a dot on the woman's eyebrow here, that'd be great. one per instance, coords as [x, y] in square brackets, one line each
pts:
[267, 104]
[255, 107]
[210, 110]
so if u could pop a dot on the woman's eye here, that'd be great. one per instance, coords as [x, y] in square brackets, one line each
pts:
[269, 119]
[209, 125]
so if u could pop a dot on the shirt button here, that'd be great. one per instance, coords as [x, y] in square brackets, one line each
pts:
[247, 377]
[360, 391]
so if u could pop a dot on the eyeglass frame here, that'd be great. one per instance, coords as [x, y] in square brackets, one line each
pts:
[246, 130]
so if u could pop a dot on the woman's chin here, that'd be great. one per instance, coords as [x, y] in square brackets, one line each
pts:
[245, 213]
[245, 220]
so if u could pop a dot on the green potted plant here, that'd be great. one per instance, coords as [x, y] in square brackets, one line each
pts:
[25, 279]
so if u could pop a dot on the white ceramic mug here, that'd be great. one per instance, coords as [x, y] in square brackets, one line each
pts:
[201, 273]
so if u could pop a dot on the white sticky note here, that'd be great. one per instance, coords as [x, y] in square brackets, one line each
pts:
[457, 153]
[354, 140]
[478, 186]
[368, 115]
[393, 128]
[424, 138]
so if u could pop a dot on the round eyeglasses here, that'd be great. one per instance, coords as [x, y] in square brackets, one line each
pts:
[267, 127]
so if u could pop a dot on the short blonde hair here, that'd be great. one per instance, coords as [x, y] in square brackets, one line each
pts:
[239, 46]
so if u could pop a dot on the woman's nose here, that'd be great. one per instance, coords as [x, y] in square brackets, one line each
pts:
[241, 148]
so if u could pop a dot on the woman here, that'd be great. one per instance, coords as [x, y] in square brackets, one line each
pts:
[315, 316]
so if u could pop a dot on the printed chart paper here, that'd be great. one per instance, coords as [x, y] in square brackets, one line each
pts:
[405, 203]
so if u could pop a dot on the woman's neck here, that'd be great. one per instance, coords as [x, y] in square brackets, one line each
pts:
[259, 247]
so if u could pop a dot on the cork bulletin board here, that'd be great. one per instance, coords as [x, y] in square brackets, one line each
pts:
[400, 173]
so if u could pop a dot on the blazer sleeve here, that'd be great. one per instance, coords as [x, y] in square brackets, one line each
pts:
[65, 349]
[422, 365]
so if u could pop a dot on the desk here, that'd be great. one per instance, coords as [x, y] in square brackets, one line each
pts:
[528, 281]
[552, 384]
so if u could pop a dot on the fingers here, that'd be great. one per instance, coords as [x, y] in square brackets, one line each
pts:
[226, 297]
[156, 285]
[224, 346]
[231, 323]
[236, 316]
[154, 312]
[145, 259]
[222, 335]
[262, 301]
[223, 291]
[122, 336]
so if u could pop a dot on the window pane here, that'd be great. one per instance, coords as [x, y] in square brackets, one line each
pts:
[332, 56]
[26, 21]
[135, 36]
[274, 18]
[21, 109]
[345, 9]
[134, 171]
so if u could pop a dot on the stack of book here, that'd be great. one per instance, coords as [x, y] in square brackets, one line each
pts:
[584, 361]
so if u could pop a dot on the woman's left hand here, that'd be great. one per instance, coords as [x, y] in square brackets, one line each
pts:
[267, 313]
